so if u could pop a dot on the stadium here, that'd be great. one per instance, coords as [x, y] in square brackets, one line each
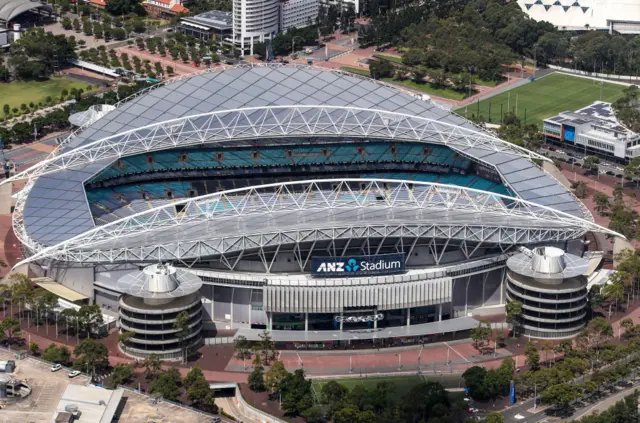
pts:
[325, 207]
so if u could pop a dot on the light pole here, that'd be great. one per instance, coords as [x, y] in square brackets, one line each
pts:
[293, 43]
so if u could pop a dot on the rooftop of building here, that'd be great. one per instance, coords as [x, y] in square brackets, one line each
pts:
[216, 19]
[598, 114]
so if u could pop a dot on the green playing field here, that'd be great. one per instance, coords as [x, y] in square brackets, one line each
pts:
[544, 97]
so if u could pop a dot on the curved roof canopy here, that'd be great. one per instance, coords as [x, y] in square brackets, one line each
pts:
[267, 104]
[307, 211]
[9, 9]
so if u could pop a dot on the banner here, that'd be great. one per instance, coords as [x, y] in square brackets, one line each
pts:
[357, 266]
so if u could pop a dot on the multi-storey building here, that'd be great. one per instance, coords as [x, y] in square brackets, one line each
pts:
[595, 130]
[297, 13]
[254, 21]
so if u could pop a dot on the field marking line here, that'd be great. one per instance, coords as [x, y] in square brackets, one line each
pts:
[454, 350]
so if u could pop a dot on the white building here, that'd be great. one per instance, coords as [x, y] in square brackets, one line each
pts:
[622, 16]
[254, 21]
[594, 129]
[297, 14]
[345, 4]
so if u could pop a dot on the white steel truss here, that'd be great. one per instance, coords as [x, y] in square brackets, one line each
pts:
[488, 218]
[274, 122]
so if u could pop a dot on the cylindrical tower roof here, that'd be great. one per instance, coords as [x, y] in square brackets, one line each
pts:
[159, 281]
[547, 263]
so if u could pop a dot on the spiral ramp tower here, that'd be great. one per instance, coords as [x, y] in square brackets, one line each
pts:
[552, 289]
[151, 302]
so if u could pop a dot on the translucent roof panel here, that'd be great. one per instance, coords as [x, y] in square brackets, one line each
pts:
[57, 209]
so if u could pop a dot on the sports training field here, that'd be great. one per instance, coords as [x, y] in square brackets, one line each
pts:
[402, 384]
[545, 97]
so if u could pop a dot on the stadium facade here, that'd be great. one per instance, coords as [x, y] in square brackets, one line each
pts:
[322, 206]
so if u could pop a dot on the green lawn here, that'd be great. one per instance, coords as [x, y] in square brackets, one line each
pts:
[402, 384]
[363, 72]
[389, 58]
[427, 87]
[545, 97]
[17, 93]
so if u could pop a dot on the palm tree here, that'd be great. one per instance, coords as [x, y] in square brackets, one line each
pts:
[602, 203]
[614, 291]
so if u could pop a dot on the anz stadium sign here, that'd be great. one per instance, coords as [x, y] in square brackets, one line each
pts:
[357, 266]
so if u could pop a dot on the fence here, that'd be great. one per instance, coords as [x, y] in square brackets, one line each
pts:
[614, 79]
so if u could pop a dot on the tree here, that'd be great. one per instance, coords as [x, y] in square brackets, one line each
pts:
[198, 390]
[34, 348]
[627, 324]
[66, 23]
[90, 318]
[296, 393]
[333, 396]
[480, 334]
[241, 346]
[167, 384]
[91, 356]
[381, 69]
[194, 375]
[256, 379]
[346, 415]
[474, 378]
[602, 203]
[590, 163]
[124, 7]
[153, 366]
[275, 376]
[123, 337]
[514, 311]
[184, 330]
[560, 395]
[56, 354]
[122, 374]
[494, 417]
[313, 415]
[267, 347]
[533, 356]
[76, 25]
[10, 328]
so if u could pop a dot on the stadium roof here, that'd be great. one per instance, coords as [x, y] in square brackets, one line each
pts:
[9, 9]
[304, 211]
[236, 107]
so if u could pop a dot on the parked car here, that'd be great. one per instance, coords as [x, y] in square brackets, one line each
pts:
[73, 373]
[55, 367]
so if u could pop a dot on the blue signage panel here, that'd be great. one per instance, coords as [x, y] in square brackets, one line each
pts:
[356, 266]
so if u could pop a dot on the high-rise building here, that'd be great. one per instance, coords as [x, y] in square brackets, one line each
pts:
[254, 21]
[297, 14]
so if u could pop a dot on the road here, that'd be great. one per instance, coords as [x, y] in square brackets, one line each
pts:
[522, 409]
[604, 166]
[229, 407]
